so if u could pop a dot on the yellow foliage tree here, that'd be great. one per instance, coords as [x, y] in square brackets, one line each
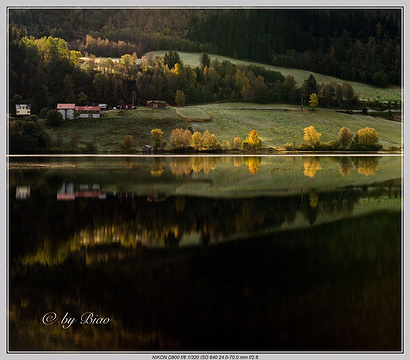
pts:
[368, 136]
[312, 137]
[156, 137]
[314, 101]
[197, 141]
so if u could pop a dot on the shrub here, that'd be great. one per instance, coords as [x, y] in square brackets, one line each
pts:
[43, 113]
[90, 148]
[54, 118]
[289, 147]
[237, 142]
[226, 145]
[128, 140]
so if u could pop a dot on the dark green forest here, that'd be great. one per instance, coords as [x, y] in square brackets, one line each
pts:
[352, 44]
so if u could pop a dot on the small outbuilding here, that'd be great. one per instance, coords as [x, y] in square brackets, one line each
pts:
[156, 104]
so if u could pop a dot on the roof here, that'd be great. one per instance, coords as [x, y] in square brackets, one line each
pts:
[65, 106]
[87, 108]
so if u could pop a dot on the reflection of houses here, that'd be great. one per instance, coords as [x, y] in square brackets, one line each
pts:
[66, 110]
[68, 192]
[23, 109]
[157, 197]
[22, 192]
[88, 111]
[156, 104]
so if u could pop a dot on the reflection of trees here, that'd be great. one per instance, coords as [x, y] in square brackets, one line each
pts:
[345, 165]
[46, 230]
[253, 163]
[367, 166]
[128, 163]
[157, 169]
[312, 165]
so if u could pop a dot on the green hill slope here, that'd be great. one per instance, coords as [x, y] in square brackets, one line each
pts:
[365, 91]
[275, 124]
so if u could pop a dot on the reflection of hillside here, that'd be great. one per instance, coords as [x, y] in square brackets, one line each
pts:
[304, 287]
[160, 221]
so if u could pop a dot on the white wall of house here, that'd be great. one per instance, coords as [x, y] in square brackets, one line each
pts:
[89, 115]
[67, 114]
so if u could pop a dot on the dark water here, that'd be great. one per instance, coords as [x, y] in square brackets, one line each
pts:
[205, 253]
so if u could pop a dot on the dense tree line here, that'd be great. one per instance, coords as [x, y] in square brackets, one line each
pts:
[358, 45]
[47, 72]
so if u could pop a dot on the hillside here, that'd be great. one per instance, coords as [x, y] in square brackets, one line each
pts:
[366, 92]
[274, 124]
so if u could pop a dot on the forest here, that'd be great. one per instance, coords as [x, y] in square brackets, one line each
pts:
[352, 44]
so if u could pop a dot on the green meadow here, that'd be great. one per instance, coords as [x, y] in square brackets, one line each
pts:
[276, 125]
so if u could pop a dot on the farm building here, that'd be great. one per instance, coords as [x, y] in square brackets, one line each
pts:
[23, 109]
[125, 107]
[88, 111]
[155, 104]
[66, 110]
[103, 107]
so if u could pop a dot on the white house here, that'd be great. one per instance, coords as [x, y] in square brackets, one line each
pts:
[23, 109]
[88, 111]
[66, 110]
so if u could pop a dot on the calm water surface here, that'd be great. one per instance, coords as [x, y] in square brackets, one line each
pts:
[205, 253]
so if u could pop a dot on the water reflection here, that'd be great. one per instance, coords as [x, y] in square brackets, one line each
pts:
[207, 253]
[312, 166]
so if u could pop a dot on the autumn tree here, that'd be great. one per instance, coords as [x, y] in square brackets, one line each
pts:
[128, 140]
[210, 141]
[197, 141]
[180, 98]
[253, 140]
[345, 137]
[313, 101]
[156, 138]
[312, 137]
[181, 139]
[368, 136]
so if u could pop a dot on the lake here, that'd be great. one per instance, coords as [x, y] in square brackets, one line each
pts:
[205, 253]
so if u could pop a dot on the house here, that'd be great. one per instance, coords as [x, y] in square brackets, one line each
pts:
[88, 111]
[125, 107]
[23, 109]
[156, 104]
[66, 110]
[103, 107]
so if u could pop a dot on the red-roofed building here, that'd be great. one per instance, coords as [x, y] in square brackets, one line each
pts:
[88, 111]
[66, 110]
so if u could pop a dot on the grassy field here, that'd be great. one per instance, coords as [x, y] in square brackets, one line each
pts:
[109, 130]
[365, 91]
[274, 124]
[277, 128]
